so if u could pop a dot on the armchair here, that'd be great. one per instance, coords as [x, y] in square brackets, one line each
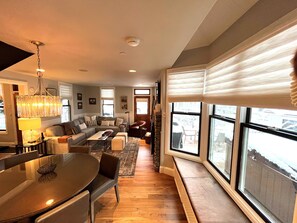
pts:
[137, 129]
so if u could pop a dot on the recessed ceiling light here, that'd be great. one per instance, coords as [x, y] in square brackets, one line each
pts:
[83, 70]
[133, 41]
[123, 53]
[132, 71]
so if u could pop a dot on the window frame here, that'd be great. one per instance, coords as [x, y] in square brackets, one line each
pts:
[68, 105]
[3, 108]
[148, 89]
[226, 119]
[199, 135]
[262, 128]
[102, 99]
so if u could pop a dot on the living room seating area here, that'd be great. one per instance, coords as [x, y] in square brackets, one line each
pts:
[75, 133]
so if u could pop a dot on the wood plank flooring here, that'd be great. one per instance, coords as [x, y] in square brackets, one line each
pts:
[147, 197]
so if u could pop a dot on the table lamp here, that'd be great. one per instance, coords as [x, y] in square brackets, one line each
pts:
[27, 125]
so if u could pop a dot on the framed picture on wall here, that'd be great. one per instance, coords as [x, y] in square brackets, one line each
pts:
[79, 96]
[124, 103]
[79, 105]
[92, 101]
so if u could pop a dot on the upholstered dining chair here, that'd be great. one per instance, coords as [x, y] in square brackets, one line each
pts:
[106, 178]
[75, 210]
[19, 158]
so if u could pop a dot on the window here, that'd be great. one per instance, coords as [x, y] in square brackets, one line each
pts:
[66, 111]
[185, 127]
[142, 91]
[2, 114]
[221, 138]
[268, 162]
[65, 91]
[107, 101]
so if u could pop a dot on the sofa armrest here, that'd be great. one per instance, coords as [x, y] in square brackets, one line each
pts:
[54, 147]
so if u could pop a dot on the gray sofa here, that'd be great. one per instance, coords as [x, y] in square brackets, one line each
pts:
[76, 132]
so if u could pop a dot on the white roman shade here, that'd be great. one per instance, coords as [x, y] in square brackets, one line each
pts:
[185, 86]
[65, 90]
[107, 93]
[256, 77]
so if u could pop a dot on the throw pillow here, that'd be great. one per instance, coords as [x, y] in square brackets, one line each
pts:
[105, 123]
[119, 121]
[111, 123]
[82, 126]
[75, 130]
[93, 118]
[87, 119]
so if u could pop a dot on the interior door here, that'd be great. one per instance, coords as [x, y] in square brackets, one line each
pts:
[142, 110]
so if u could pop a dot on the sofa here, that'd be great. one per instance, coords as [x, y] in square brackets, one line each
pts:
[74, 133]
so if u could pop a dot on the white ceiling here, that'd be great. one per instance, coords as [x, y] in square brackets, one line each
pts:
[90, 35]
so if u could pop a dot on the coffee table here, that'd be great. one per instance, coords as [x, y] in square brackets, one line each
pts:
[99, 137]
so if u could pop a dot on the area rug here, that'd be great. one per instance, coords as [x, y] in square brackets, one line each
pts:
[128, 157]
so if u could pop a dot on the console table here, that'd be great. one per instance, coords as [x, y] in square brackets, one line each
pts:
[41, 147]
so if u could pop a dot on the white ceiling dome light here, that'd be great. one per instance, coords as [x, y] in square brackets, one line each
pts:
[133, 41]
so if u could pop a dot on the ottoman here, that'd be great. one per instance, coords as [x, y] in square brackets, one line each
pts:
[118, 143]
[123, 134]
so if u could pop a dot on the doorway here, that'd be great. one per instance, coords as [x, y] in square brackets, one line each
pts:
[142, 110]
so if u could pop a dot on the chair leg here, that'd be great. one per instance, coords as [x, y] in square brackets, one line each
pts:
[92, 211]
[116, 188]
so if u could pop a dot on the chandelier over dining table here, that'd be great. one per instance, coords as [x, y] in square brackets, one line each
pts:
[41, 103]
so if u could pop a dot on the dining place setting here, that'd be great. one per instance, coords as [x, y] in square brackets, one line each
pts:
[48, 188]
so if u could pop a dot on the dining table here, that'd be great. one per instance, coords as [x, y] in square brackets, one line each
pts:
[26, 193]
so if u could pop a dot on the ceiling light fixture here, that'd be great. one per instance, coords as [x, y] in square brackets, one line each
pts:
[133, 41]
[42, 103]
[132, 71]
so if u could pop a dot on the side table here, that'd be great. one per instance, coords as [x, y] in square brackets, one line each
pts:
[41, 147]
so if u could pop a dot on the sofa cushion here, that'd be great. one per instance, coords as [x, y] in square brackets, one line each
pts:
[55, 130]
[75, 139]
[104, 123]
[89, 131]
[81, 120]
[76, 122]
[76, 130]
[111, 123]
[119, 121]
[68, 126]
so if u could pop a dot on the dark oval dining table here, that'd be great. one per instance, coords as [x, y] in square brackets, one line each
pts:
[25, 193]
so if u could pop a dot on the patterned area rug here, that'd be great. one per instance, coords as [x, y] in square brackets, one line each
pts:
[128, 157]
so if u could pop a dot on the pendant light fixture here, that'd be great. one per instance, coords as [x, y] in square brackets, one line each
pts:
[42, 103]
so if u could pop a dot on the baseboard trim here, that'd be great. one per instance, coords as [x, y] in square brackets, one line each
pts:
[166, 170]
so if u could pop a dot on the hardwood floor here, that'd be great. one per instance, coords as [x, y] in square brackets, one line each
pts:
[147, 197]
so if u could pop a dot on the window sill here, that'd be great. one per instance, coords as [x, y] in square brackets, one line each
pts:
[183, 155]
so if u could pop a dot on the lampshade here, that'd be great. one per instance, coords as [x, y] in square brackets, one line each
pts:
[42, 103]
[29, 123]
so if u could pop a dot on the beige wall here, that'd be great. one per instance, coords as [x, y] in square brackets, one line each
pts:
[123, 91]
[79, 112]
[262, 14]
[92, 92]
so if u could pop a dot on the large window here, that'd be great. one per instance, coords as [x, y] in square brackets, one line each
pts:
[221, 138]
[2, 114]
[107, 102]
[268, 162]
[185, 127]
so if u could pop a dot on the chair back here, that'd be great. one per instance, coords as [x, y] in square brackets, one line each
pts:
[109, 166]
[75, 210]
[20, 158]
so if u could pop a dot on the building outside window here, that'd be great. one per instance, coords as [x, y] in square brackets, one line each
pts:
[268, 162]
[221, 138]
[2, 114]
[185, 127]
[107, 101]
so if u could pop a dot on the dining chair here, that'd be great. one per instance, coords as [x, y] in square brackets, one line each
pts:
[19, 158]
[106, 178]
[75, 210]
